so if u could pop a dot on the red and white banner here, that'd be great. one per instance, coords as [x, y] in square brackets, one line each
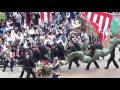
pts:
[45, 16]
[27, 19]
[102, 19]
[91, 22]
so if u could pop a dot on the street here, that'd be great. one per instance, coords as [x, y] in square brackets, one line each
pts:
[77, 72]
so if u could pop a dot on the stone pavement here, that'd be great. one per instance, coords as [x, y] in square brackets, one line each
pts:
[77, 72]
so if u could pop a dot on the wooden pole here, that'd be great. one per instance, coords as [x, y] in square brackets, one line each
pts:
[107, 42]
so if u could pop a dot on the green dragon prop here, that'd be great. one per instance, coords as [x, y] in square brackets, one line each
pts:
[84, 57]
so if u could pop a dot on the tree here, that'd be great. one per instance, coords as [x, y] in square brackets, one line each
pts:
[2, 16]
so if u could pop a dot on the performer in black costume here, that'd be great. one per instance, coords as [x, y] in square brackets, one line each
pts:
[75, 60]
[92, 51]
[112, 58]
[28, 66]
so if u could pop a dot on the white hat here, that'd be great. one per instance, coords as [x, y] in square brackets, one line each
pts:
[56, 58]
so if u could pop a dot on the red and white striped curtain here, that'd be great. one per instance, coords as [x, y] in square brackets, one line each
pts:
[45, 16]
[102, 19]
[27, 19]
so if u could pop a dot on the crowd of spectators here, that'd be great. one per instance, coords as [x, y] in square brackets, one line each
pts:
[41, 40]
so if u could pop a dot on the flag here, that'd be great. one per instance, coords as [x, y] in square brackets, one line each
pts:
[45, 16]
[113, 27]
[95, 26]
[27, 18]
[102, 19]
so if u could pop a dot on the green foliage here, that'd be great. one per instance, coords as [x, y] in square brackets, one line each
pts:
[2, 16]
[113, 27]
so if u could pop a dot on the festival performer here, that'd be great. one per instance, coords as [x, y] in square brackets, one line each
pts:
[42, 68]
[39, 67]
[112, 58]
[72, 48]
[55, 68]
[45, 67]
[28, 66]
[92, 51]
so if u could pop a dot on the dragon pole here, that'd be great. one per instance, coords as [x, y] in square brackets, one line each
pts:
[98, 53]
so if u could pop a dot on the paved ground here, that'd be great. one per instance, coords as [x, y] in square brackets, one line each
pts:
[78, 72]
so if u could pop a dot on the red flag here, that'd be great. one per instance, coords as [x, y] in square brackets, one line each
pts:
[27, 17]
[48, 15]
[42, 16]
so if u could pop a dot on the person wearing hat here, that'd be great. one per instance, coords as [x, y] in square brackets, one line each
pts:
[55, 68]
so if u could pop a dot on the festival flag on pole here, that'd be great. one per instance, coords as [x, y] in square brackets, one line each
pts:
[44, 16]
[102, 19]
[113, 27]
